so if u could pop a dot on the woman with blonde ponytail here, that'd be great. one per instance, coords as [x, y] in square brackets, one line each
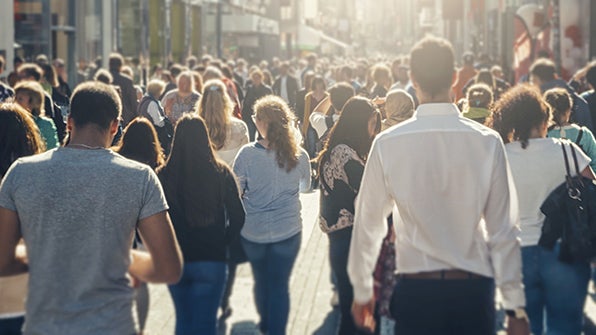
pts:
[227, 133]
[272, 172]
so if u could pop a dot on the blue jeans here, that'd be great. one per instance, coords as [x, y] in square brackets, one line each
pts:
[554, 289]
[272, 265]
[11, 326]
[339, 248]
[310, 142]
[196, 297]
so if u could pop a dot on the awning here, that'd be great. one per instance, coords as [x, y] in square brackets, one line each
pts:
[310, 38]
[334, 41]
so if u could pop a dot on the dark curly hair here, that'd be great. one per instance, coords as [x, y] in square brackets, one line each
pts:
[560, 102]
[518, 112]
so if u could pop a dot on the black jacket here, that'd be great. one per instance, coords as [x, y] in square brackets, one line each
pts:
[291, 87]
[129, 96]
[253, 94]
[210, 242]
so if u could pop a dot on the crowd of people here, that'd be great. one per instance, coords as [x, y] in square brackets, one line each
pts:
[431, 180]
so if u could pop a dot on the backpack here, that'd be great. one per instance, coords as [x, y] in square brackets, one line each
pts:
[165, 133]
[323, 139]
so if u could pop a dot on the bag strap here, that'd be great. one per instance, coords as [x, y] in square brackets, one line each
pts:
[574, 159]
[579, 136]
[566, 159]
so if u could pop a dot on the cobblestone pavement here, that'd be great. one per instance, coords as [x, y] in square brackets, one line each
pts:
[310, 292]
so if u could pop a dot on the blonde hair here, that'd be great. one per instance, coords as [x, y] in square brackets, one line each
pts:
[216, 107]
[36, 96]
[399, 106]
[191, 80]
[155, 87]
[275, 112]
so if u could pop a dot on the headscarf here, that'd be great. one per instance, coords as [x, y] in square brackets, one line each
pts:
[399, 106]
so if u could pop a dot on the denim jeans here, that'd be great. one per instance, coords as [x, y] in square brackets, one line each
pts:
[310, 142]
[11, 326]
[197, 296]
[554, 289]
[272, 265]
[339, 248]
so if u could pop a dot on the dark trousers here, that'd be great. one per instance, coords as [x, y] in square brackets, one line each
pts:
[339, 248]
[252, 128]
[441, 307]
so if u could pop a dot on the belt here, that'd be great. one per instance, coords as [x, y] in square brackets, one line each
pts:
[441, 275]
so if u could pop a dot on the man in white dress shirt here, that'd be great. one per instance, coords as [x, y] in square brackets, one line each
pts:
[448, 182]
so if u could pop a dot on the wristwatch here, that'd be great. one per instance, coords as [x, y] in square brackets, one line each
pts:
[518, 313]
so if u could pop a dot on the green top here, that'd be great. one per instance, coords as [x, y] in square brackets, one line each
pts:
[571, 132]
[476, 113]
[48, 132]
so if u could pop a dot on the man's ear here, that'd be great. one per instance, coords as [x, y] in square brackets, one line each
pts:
[453, 78]
[414, 81]
[114, 127]
[69, 124]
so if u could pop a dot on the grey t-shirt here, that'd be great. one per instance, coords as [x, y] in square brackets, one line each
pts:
[78, 210]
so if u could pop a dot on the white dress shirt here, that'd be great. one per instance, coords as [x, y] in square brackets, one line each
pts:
[318, 122]
[448, 182]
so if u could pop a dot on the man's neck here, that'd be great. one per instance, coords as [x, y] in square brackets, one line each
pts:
[90, 138]
[425, 98]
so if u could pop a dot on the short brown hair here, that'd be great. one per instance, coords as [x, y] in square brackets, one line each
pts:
[432, 64]
[115, 62]
[544, 69]
[31, 70]
[95, 103]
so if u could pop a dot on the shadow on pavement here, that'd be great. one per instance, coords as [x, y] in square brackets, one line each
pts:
[239, 328]
[330, 323]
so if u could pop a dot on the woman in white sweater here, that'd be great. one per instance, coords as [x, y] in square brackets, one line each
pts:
[555, 291]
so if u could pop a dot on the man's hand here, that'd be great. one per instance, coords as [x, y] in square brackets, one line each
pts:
[517, 326]
[13, 259]
[364, 315]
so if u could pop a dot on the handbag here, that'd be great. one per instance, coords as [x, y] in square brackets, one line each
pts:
[570, 212]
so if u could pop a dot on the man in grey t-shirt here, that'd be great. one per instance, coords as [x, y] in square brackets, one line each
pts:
[77, 207]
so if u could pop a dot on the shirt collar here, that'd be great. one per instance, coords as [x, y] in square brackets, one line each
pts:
[433, 109]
